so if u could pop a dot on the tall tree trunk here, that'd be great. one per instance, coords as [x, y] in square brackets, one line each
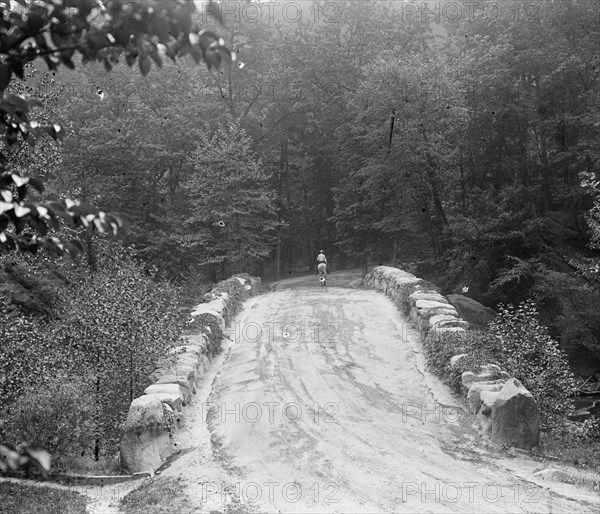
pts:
[282, 167]
[278, 257]
[364, 265]
[98, 414]
[130, 375]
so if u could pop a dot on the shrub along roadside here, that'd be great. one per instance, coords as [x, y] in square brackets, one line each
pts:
[518, 343]
[91, 359]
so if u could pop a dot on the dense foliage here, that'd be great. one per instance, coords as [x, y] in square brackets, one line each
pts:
[92, 358]
[58, 32]
[518, 343]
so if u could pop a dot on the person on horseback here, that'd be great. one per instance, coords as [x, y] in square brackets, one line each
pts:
[322, 266]
[321, 259]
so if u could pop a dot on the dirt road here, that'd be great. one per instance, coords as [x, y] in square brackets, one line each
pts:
[322, 405]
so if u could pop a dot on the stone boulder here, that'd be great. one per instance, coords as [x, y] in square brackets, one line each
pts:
[432, 296]
[200, 340]
[515, 417]
[454, 360]
[438, 318]
[172, 394]
[446, 321]
[187, 359]
[211, 309]
[170, 377]
[431, 308]
[554, 475]
[488, 373]
[425, 309]
[475, 313]
[395, 283]
[195, 349]
[145, 441]
[169, 371]
[474, 396]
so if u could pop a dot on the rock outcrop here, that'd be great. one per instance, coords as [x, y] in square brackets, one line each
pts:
[33, 293]
[515, 417]
[477, 314]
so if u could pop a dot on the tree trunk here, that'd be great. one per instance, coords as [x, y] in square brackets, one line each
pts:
[130, 375]
[98, 410]
[278, 257]
[364, 265]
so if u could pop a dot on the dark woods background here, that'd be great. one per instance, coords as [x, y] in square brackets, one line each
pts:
[451, 139]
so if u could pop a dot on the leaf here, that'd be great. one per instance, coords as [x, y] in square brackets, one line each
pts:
[17, 102]
[156, 58]
[21, 211]
[130, 58]
[17, 67]
[37, 184]
[212, 58]
[144, 64]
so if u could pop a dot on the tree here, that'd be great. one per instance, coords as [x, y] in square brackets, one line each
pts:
[589, 267]
[57, 32]
[231, 219]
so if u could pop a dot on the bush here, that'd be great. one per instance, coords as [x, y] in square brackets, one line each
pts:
[440, 348]
[209, 326]
[528, 353]
[234, 288]
[110, 328]
[57, 414]
[117, 322]
[518, 343]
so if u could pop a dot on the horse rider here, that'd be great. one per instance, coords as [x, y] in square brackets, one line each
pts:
[321, 259]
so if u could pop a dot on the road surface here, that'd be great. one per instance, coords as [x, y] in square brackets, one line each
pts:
[322, 404]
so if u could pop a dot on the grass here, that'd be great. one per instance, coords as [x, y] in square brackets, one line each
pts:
[584, 454]
[159, 495]
[25, 499]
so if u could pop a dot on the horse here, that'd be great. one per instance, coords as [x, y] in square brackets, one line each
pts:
[322, 268]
